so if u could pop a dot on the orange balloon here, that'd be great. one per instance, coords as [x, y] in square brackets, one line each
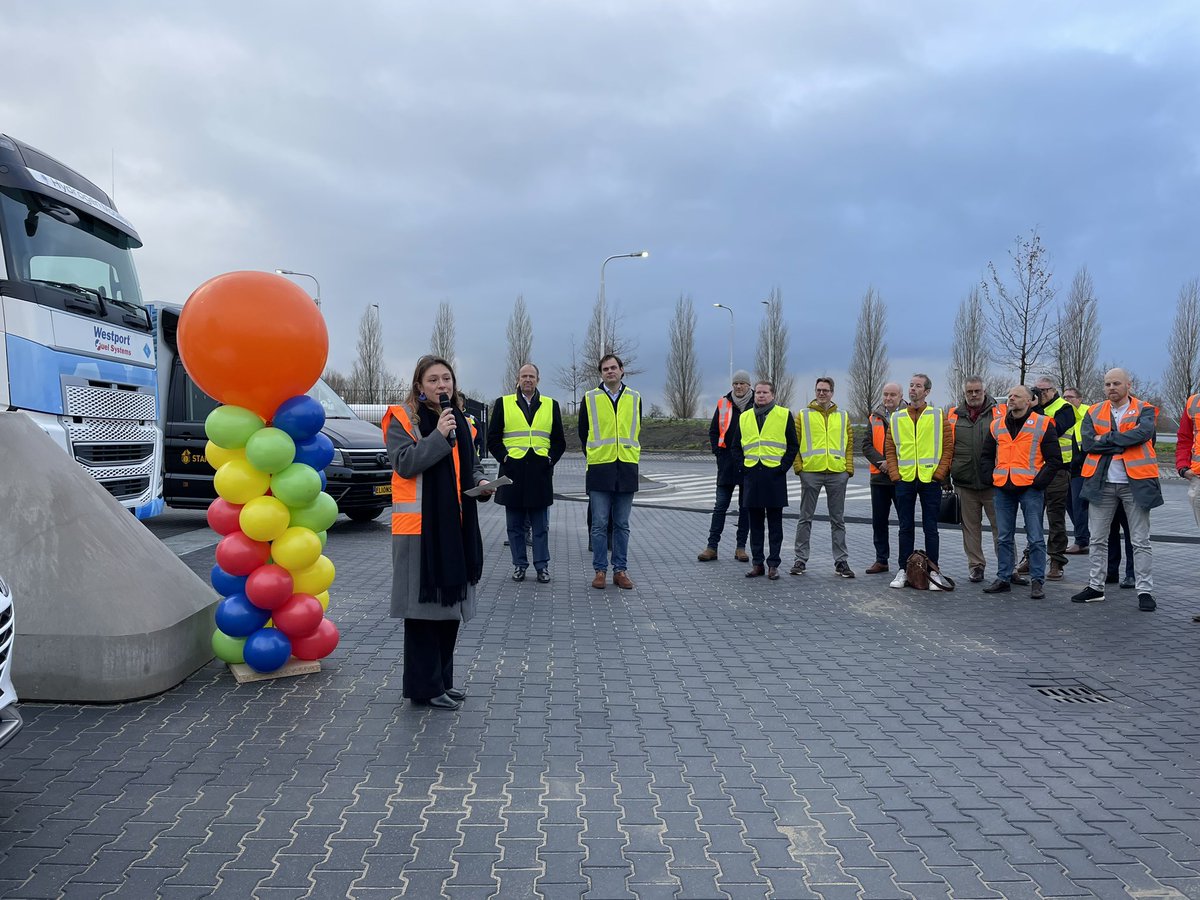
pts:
[252, 339]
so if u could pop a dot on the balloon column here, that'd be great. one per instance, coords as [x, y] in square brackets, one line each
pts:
[255, 342]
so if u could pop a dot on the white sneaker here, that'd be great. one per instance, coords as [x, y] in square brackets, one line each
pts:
[900, 580]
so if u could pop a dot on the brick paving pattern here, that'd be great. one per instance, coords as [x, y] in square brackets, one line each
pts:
[702, 736]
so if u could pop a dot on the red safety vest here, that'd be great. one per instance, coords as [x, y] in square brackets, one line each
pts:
[1019, 459]
[406, 492]
[1140, 461]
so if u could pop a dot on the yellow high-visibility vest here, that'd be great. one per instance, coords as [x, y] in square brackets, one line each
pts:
[822, 439]
[613, 435]
[519, 437]
[764, 447]
[1064, 439]
[918, 444]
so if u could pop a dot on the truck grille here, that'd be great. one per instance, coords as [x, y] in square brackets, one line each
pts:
[365, 460]
[124, 454]
[126, 488]
[108, 402]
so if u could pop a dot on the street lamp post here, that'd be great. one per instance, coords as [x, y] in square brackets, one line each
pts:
[304, 275]
[770, 344]
[730, 311]
[640, 254]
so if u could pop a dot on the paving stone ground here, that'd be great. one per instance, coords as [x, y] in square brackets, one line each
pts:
[702, 736]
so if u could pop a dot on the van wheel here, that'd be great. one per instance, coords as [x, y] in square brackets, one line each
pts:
[365, 515]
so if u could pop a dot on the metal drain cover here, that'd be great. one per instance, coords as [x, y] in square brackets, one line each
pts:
[1070, 693]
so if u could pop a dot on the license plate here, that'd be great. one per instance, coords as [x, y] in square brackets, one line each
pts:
[383, 490]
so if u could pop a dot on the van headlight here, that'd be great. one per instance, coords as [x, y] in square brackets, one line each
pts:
[338, 459]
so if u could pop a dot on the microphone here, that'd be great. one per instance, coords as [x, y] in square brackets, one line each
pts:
[444, 402]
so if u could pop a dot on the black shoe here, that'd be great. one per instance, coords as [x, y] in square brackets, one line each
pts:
[543, 576]
[797, 569]
[999, 586]
[441, 701]
[844, 570]
[1019, 579]
[1035, 590]
[976, 574]
[1128, 582]
[519, 573]
[1146, 602]
[1088, 595]
[458, 695]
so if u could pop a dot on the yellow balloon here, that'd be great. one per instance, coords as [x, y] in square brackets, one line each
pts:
[297, 548]
[315, 579]
[323, 599]
[264, 518]
[239, 482]
[218, 456]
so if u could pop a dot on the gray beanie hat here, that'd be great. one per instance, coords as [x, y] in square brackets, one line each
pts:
[742, 375]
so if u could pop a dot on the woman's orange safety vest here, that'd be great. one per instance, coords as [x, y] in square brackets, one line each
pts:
[1140, 461]
[406, 492]
[1019, 459]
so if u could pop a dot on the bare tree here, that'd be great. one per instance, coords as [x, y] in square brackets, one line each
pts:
[441, 342]
[771, 357]
[969, 355]
[575, 377]
[1023, 326]
[339, 382]
[520, 343]
[869, 363]
[1181, 378]
[618, 343]
[370, 379]
[1078, 345]
[683, 368]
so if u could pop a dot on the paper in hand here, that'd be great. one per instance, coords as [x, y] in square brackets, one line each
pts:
[488, 486]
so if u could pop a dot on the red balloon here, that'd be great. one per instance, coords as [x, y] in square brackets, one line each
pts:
[270, 587]
[238, 555]
[317, 645]
[223, 516]
[252, 339]
[300, 616]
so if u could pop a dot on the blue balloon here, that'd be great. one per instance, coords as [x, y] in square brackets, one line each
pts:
[301, 417]
[324, 480]
[267, 649]
[317, 451]
[225, 583]
[238, 617]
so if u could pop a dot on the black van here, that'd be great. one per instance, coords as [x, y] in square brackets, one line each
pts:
[359, 478]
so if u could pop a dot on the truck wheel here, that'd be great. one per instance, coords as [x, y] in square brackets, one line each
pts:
[365, 515]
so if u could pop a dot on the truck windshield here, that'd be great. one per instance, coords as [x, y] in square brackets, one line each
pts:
[335, 407]
[48, 241]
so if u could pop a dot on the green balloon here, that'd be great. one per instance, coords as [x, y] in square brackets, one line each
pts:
[297, 485]
[231, 426]
[318, 515]
[228, 649]
[324, 536]
[270, 450]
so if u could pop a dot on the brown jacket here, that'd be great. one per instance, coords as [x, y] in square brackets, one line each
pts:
[943, 469]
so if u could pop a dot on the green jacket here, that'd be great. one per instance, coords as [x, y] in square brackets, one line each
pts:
[966, 469]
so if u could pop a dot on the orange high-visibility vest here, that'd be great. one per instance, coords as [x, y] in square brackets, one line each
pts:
[406, 492]
[724, 418]
[1193, 410]
[1018, 459]
[1140, 461]
[878, 430]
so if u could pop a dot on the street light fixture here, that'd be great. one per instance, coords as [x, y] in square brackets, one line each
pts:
[304, 275]
[730, 311]
[770, 345]
[640, 254]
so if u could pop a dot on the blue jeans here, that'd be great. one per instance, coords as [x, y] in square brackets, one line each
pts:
[538, 519]
[930, 495]
[1078, 508]
[1031, 503]
[615, 505]
[720, 510]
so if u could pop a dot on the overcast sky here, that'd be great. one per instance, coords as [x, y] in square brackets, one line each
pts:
[410, 153]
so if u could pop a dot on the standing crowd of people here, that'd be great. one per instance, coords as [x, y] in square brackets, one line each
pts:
[1047, 456]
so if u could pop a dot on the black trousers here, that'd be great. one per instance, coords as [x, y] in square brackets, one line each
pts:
[429, 657]
[769, 520]
[883, 498]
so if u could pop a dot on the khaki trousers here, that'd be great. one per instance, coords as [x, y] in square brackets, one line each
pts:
[973, 505]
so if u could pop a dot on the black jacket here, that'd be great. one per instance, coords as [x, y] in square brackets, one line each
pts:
[1051, 455]
[532, 475]
[618, 476]
[729, 469]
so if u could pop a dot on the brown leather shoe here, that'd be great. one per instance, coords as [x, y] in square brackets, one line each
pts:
[1023, 568]
[1076, 550]
[600, 581]
[741, 555]
[1055, 573]
[877, 568]
[708, 554]
[756, 572]
[621, 580]
[773, 574]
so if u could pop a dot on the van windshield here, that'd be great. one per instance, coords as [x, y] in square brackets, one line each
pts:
[335, 407]
[48, 241]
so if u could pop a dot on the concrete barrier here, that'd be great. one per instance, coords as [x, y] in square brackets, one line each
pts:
[104, 611]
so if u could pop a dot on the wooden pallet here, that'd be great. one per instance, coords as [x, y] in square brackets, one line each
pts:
[244, 674]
